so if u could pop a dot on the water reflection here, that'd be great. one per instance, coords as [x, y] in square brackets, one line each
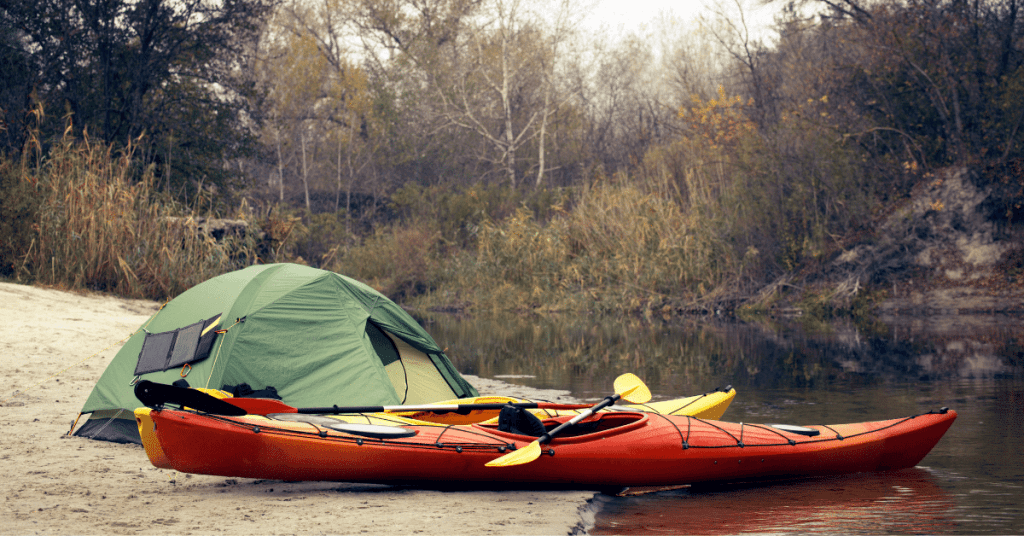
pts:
[968, 346]
[583, 355]
[798, 374]
[908, 501]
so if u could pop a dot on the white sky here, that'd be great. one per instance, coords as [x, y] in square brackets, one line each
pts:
[630, 15]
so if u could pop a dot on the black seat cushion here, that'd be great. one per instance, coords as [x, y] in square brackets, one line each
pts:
[519, 421]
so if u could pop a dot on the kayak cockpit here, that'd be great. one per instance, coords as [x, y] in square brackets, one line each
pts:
[598, 425]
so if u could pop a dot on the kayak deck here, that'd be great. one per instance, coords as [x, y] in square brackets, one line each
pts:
[623, 448]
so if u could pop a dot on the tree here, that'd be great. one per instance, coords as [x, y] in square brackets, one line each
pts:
[320, 102]
[15, 87]
[750, 53]
[347, 109]
[167, 73]
[487, 69]
[294, 78]
[943, 76]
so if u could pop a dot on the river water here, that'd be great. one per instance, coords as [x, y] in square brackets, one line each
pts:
[797, 372]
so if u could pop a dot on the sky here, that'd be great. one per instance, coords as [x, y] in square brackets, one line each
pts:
[629, 15]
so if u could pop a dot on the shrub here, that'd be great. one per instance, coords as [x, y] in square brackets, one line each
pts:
[459, 212]
[397, 261]
[320, 237]
[98, 225]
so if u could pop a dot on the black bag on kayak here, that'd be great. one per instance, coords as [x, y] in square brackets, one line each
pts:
[243, 390]
[519, 421]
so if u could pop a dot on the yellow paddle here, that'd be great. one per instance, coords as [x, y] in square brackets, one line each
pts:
[627, 387]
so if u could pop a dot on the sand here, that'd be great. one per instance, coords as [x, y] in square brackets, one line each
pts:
[53, 347]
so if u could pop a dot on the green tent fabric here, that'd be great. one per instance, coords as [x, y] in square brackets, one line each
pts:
[317, 337]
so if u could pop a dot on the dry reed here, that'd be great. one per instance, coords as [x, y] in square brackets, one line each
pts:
[100, 226]
[619, 248]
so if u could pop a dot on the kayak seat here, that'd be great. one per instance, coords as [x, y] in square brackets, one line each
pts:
[583, 428]
[613, 422]
[516, 420]
[596, 423]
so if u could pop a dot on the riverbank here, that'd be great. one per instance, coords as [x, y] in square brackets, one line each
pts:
[54, 345]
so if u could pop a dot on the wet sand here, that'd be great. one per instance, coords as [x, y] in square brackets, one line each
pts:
[53, 347]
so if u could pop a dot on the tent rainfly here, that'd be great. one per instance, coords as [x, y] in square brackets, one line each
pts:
[317, 337]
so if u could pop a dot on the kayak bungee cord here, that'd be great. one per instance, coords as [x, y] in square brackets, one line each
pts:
[494, 443]
[689, 402]
[767, 427]
[775, 431]
[838, 435]
[678, 431]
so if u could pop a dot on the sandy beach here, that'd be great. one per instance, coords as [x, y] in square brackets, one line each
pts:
[53, 347]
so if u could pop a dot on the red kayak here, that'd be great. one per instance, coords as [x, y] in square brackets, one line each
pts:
[605, 450]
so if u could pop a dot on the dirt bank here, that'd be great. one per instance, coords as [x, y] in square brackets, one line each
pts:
[955, 246]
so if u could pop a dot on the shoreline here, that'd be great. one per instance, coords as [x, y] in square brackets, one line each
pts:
[56, 344]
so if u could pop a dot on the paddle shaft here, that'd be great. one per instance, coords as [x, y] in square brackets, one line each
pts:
[155, 394]
[609, 400]
[437, 408]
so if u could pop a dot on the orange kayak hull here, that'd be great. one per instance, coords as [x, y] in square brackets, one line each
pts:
[607, 450]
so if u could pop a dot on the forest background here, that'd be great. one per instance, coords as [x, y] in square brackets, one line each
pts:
[494, 154]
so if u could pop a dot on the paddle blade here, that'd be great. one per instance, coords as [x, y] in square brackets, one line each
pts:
[156, 394]
[518, 457]
[260, 406]
[632, 389]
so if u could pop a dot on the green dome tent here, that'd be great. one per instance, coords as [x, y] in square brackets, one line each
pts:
[317, 337]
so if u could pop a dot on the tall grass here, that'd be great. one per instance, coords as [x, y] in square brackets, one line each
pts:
[99, 225]
[617, 248]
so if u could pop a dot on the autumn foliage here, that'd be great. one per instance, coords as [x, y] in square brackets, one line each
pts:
[489, 153]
